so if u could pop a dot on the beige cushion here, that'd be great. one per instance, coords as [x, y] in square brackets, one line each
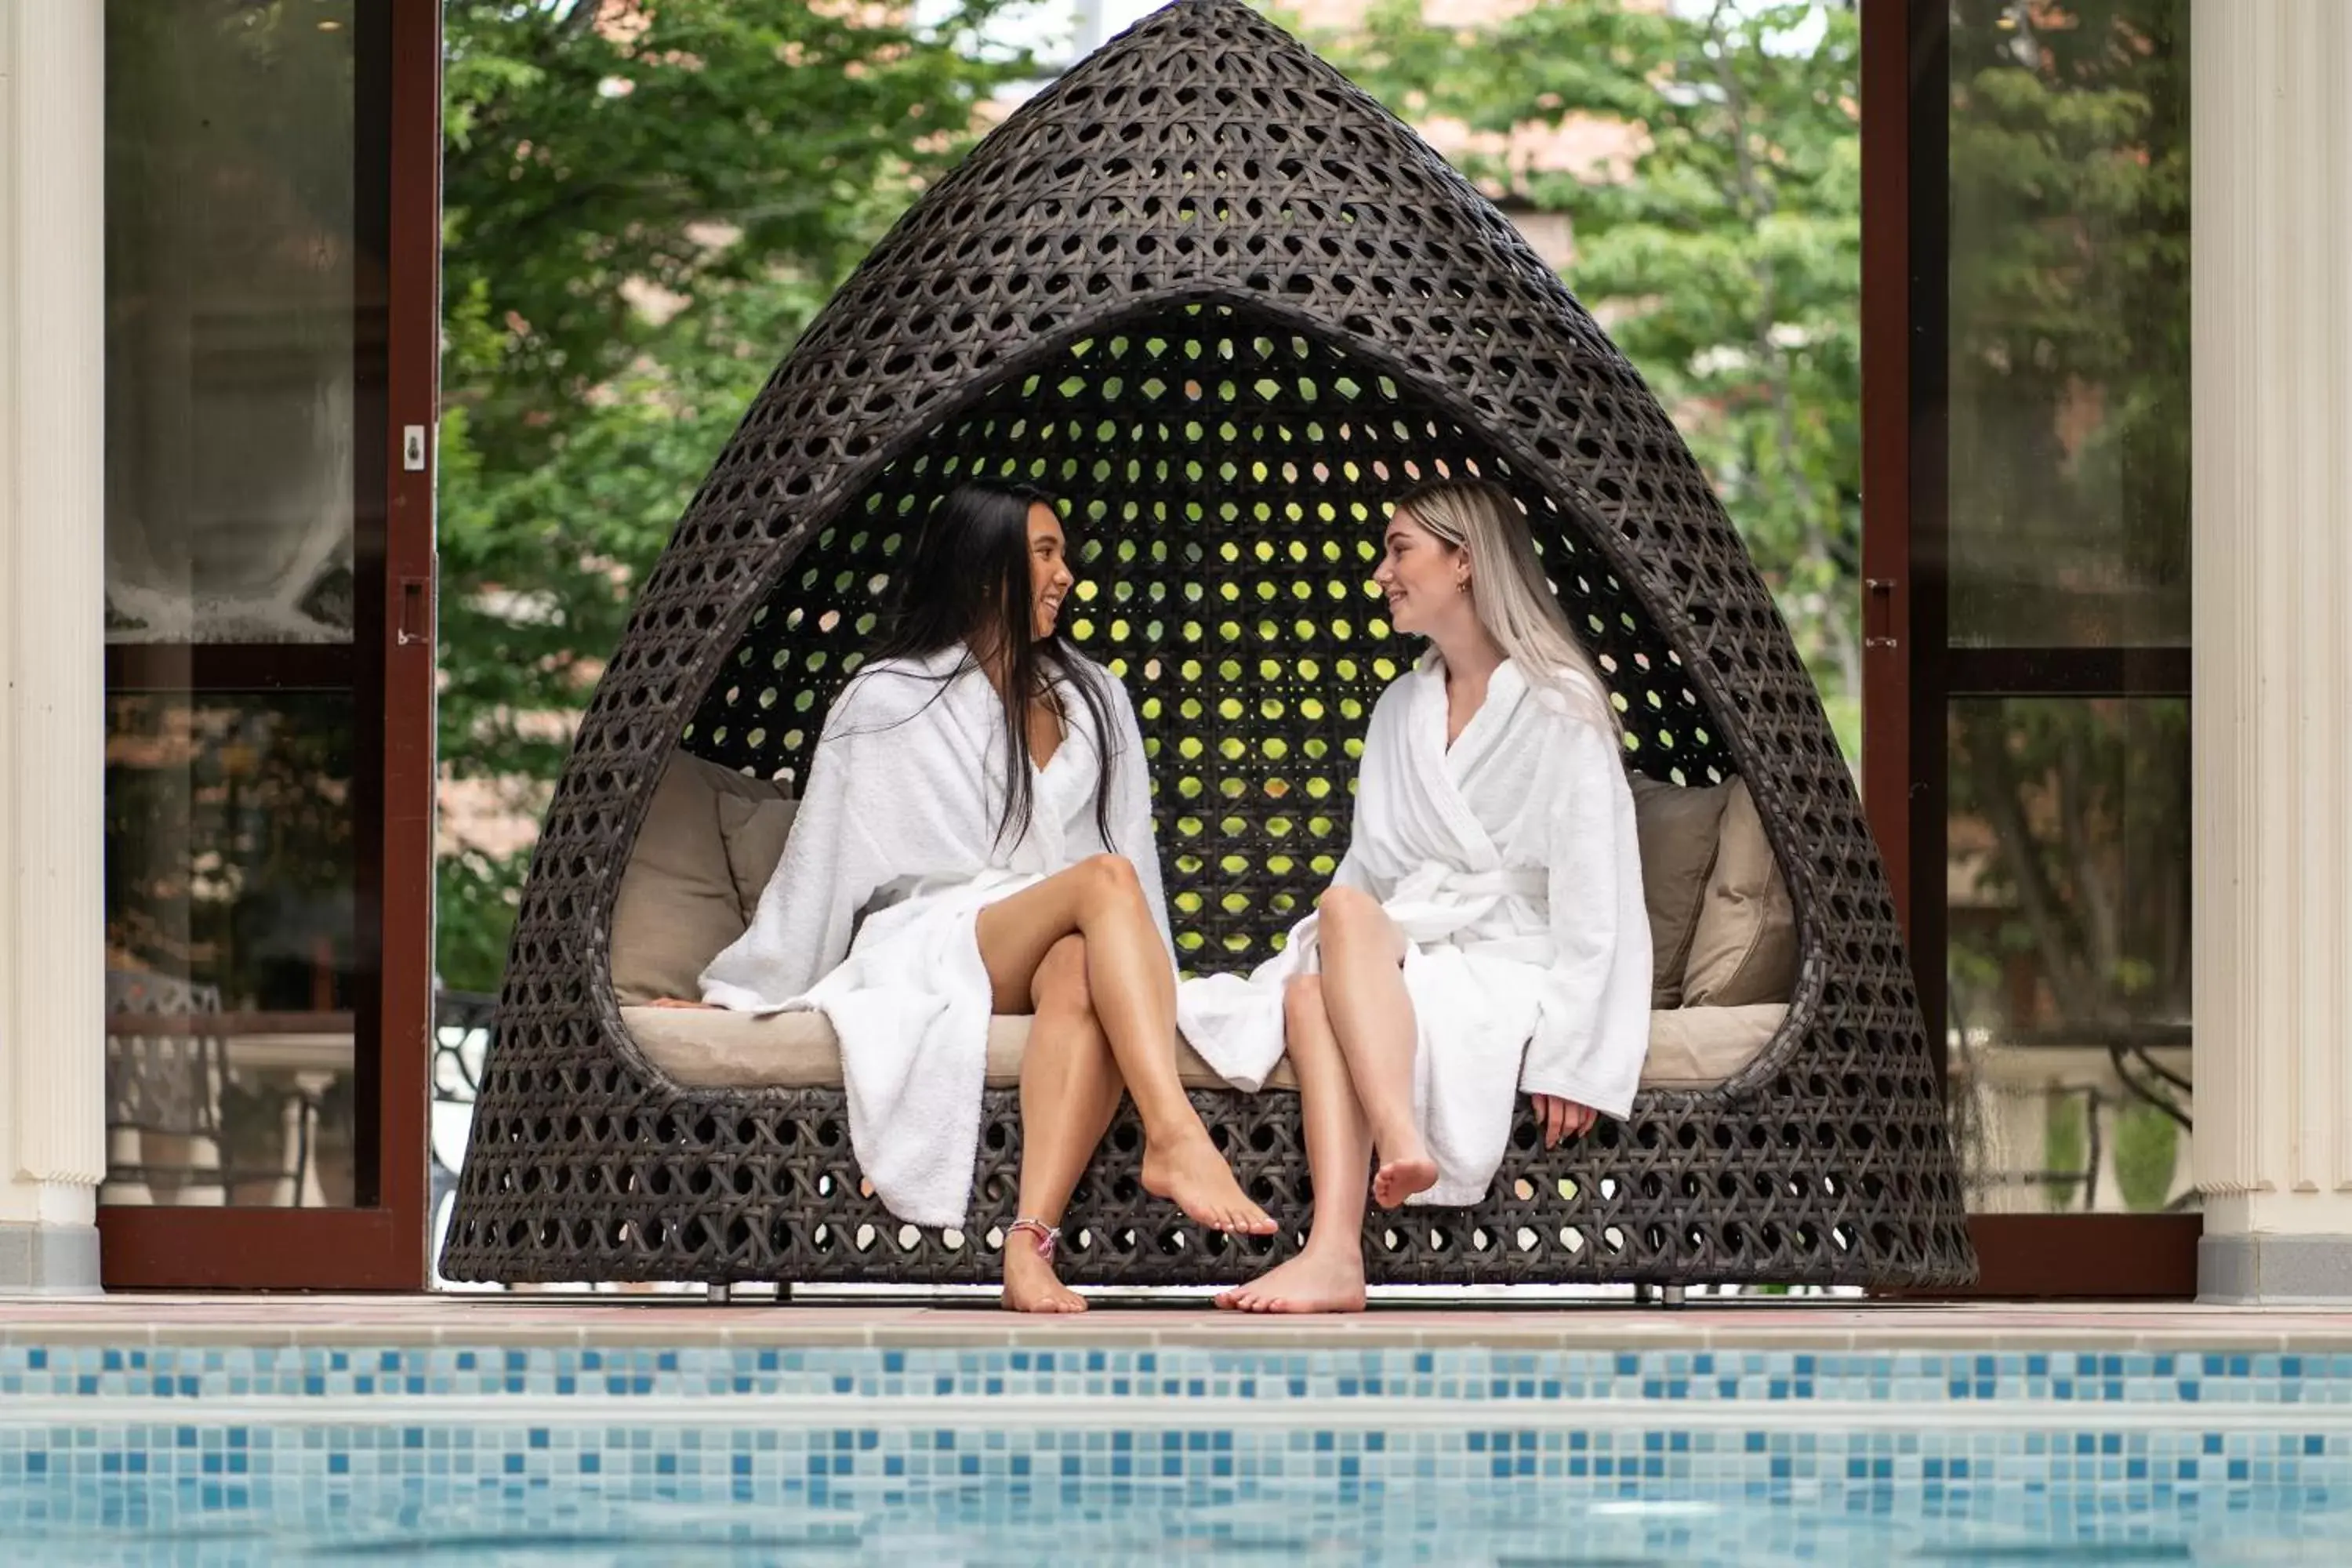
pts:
[684, 896]
[1690, 1048]
[677, 905]
[1744, 949]
[1678, 827]
[753, 828]
[1698, 1047]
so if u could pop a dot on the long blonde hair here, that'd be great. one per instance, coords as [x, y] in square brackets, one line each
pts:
[1508, 591]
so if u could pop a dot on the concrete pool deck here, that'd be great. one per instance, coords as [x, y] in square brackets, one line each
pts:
[1587, 1325]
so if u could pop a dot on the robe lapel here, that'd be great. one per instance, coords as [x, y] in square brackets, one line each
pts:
[1060, 792]
[1489, 727]
[1063, 785]
[1435, 773]
[970, 707]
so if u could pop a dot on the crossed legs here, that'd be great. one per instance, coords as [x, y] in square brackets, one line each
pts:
[1081, 949]
[1069, 1090]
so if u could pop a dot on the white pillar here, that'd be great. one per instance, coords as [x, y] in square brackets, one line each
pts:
[52, 672]
[2271, 270]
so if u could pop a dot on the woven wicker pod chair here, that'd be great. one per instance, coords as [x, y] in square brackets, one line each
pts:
[1224, 306]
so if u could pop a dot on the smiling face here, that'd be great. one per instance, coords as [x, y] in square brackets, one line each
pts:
[1426, 579]
[1049, 571]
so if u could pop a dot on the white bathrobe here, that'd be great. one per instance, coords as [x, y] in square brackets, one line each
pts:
[1509, 861]
[870, 916]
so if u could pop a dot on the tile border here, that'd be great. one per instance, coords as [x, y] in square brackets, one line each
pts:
[215, 1382]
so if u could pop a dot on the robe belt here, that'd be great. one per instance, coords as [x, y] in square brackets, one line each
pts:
[1443, 903]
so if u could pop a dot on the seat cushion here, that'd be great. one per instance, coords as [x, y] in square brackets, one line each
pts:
[1698, 1047]
[710, 840]
[1690, 1048]
[1744, 947]
[1678, 827]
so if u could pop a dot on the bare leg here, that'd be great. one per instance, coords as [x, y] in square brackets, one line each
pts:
[1069, 1088]
[1363, 991]
[1134, 991]
[1327, 1274]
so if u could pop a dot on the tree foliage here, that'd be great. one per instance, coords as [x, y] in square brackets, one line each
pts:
[646, 201]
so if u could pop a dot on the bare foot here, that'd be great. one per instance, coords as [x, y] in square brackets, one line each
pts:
[1309, 1282]
[1409, 1171]
[1191, 1174]
[1030, 1284]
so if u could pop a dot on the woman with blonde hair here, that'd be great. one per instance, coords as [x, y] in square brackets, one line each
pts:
[1485, 932]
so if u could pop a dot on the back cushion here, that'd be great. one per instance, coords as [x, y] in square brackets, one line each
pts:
[678, 904]
[1677, 828]
[683, 896]
[1744, 949]
[754, 830]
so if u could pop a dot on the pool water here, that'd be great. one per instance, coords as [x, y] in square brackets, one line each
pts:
[1290, 1491]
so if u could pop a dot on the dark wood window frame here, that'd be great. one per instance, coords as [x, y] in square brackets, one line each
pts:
[1910, 673]
[388, 667]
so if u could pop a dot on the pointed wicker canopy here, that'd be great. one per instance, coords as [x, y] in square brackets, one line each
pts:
[1225, 305]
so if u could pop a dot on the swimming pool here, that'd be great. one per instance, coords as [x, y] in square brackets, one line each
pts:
[220, 1496]
[212, 1455]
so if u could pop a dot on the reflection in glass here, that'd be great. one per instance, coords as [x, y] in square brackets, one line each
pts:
[2069, 332]
[230, 286]
[231, 946]
[2068, 958]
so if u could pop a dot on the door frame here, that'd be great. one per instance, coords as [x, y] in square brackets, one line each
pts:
[383, 1244]
[1910, 672]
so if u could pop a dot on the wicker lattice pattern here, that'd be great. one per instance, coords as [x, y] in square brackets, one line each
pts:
[1224, 474]
[1225, 305]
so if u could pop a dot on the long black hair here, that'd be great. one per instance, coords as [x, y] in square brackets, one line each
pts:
[968, 582]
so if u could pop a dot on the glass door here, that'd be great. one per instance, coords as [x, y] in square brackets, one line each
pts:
[2026, 285]
[272, 246]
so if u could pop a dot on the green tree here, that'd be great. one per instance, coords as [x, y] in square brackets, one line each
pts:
[644, 204]
[1725, 257]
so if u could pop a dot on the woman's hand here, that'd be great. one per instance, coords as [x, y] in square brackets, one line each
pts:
[1562, 1118]
[680, 1002]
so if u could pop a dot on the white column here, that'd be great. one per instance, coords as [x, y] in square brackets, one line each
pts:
[52, 675]
[2271, 273]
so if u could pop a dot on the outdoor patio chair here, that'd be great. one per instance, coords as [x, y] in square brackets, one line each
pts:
[1226, 307]
[165, 1071]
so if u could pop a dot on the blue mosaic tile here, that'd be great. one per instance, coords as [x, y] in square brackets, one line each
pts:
[1160, 1375]
[1431, 1495]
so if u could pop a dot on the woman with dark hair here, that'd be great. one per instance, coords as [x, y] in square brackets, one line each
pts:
[975, 837]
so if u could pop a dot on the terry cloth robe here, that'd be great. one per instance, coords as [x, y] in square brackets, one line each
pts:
[1509, 861]
[870, 916]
